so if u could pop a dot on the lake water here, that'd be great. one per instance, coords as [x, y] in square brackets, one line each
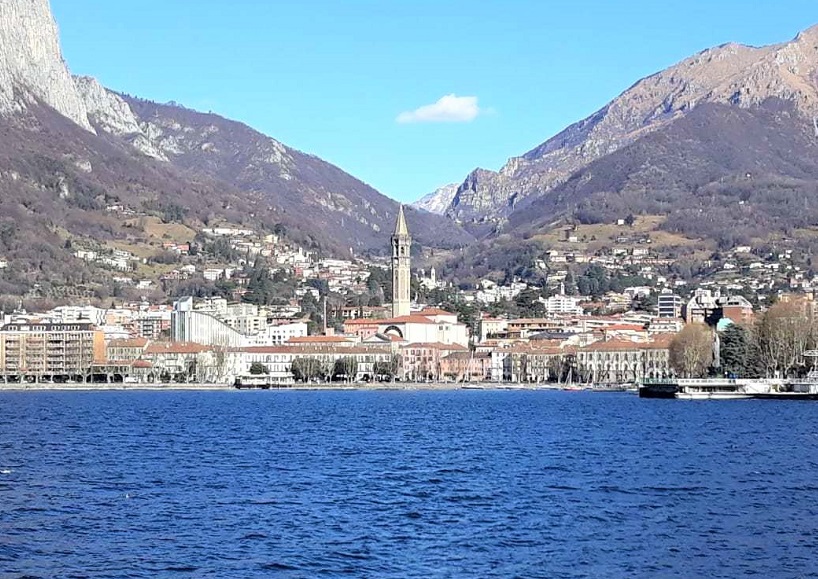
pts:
[405, 484]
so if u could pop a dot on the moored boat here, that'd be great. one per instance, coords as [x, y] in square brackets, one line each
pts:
[614, 387]
[730, 389]
[712, 390]
[794, 389]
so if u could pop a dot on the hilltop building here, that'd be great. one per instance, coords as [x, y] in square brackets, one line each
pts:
[430, 282]
[562, 304]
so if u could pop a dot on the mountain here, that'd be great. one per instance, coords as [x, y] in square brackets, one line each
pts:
[733, 75]
[31, 64]
[298, 190]
[724, 174]
[83, 166]
[438, 201]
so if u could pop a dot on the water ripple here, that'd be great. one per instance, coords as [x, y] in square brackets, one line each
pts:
[403, 484]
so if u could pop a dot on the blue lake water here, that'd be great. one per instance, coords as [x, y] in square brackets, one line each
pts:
[405, 484]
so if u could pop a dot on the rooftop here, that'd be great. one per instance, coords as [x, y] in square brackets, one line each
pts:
[437, 346]
[410, 319]
[363, 322]
[435, 312]
[129, 343]
[319, 340]
[175, 348]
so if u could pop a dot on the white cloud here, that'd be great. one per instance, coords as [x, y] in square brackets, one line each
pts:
[448, 109]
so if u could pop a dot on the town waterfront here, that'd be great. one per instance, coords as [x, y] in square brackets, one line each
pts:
[404, 484]
[291, 386]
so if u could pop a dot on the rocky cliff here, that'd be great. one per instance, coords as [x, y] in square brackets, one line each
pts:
[731, 74]
[439, 200]
[31, 64]
[111, 114]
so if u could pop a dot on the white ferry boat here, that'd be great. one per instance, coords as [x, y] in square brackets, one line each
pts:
[730, 389]
[721, 389]
[795, 389]
[692, 388]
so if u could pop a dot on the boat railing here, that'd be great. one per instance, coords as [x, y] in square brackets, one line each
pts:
[692, 381]
[810, 378]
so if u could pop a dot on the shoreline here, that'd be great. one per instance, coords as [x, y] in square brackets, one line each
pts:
[384, 386]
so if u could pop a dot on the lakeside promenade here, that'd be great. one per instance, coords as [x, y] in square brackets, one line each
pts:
[40, 387]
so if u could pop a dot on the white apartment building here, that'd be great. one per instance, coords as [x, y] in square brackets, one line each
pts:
[669, 305]
[234, 326]
[73, 314]
[561, 305]
[277, 335]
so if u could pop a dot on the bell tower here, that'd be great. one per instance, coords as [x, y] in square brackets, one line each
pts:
[401, 267]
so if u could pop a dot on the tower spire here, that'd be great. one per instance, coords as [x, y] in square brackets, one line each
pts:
[401, 267]
[400, 225]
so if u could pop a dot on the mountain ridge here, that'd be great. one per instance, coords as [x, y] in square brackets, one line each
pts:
[73, 151]
[731, 73]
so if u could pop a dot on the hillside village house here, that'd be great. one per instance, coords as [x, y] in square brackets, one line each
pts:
[361, 328]
[489, 327]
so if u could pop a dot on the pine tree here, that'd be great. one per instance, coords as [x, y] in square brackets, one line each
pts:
[735, 350]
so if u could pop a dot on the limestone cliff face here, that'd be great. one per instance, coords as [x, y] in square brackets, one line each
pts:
[170, 137]
[439, 200]
[32, 70]
[31, 64]
[110, 113]
[731, 74]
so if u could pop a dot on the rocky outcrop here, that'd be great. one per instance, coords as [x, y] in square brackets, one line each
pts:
[439, 200]
[110, 113]
[731, 74]
[31, 64]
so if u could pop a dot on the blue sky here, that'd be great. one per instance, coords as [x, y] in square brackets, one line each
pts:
[333, 77]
